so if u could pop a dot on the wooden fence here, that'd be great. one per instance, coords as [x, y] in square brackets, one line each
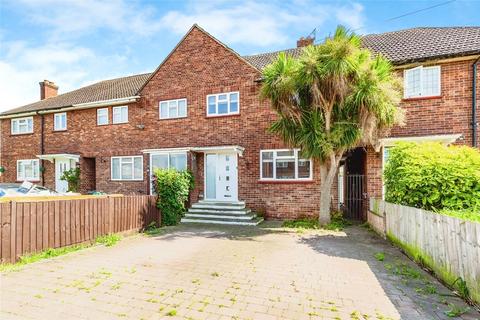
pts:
[37, 225]
[451, 245]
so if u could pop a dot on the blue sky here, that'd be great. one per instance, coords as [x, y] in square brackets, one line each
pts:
[75, 43]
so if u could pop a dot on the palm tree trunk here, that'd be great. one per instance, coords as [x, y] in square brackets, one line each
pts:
[328, 170]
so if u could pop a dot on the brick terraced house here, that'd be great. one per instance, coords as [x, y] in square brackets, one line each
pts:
[200, 109]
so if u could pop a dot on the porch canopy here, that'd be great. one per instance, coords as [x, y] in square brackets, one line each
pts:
[65, 156]
[442, 138]
[213, 149]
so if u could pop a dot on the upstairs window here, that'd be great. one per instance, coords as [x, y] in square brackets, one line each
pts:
[22, 125]
[127, 168]
[173, 109]
[102, 116]
[120, 114]
[422, 82]
[223, 104]
[28, 170]
[60, 121]
[284, 165]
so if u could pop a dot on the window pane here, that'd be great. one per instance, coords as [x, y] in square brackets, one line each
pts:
[164, 110]
[303, 168]
[126, 168]
[285, 169]
[413, 85]
[14, 126]
[137, 167]
[233, 97]
[172, 109]
[267, 169]
[30, 125]
[222, 97]
[288, 153]
[116, 115]
[36, 169]
[233, 106]
[178, 161]
[124, 114]
[102, 116]
[431, 80]
[160, 161]
[182, 108]
[211, 105]
[115, 168]
[28, 169]
[222, 107]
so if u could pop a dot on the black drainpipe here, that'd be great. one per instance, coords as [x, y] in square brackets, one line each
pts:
[474, 104]
[42, 146]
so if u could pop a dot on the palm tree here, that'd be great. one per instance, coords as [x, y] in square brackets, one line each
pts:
[334, 97]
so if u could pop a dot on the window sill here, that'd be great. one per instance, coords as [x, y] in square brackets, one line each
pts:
[21, 134]
[305, 181]
[136, 180]
[64, 130]
[421, 98]
[173, 118]
[31, 181]
[222, 115]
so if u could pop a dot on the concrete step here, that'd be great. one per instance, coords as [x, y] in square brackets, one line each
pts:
[239, 222]
[218, 205]
[220, 211]
[217, 216]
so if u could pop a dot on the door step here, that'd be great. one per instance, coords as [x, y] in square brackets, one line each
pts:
[216, 212]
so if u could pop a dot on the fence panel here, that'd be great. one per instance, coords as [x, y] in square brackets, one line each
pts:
[31, 226]
[452, 244]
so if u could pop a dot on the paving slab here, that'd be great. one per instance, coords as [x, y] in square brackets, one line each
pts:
[230, 272]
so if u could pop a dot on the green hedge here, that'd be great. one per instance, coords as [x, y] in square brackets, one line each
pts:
[433, 177]
[172, 188]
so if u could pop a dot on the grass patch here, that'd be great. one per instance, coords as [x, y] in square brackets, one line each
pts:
[380, 256]
[108, 240]
[337, 223]
[455, 311]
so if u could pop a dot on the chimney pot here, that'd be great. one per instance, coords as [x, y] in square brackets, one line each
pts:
[48, 89]
[303, 42]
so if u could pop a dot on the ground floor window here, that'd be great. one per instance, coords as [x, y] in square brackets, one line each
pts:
[127, 168]
[175, 160]
[284, 165]
[28, 170]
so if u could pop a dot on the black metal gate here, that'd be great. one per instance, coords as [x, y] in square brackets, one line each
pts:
[355, 204]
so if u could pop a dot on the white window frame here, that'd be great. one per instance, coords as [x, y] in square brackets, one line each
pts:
[168, 108]
[123, 158]
[216, 114]
[114, 110]
[420, 94]
[36, 174]
[18, 120]
[98, 116]
[57, 115]
[274, 159]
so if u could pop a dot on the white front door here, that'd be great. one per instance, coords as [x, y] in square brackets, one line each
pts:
[221, 177]
[61, 165]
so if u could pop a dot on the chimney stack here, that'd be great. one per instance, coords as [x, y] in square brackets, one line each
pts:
[303, 42]
[48, 89]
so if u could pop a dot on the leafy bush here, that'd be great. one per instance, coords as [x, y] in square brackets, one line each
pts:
[72, 177]
[434, 177]
[172, 188]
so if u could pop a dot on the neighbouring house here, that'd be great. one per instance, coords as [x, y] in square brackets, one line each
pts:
[200, 109]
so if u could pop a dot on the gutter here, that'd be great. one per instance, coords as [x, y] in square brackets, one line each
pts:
[474, 103]
[42, 145]
[77, 106]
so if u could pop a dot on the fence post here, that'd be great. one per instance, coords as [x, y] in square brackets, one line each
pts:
[13, 231]
[111, 212]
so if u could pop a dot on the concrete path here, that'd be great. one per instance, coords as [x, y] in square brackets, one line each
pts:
[216, 272]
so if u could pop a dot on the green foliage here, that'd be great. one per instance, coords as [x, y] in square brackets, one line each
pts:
[152, 229]
[455, 311]
[337, 223]
[2, 169]
[434, 177]
[172, 188]
[380, 256]
[108, 240]
[72, 176]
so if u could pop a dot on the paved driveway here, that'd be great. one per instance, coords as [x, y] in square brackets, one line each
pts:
[200, 272]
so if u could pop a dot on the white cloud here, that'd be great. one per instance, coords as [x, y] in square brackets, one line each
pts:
[261, 24]
[24, 66]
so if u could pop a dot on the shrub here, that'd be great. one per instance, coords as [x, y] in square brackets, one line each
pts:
[433, 176]
[72, 177]
[172, 188]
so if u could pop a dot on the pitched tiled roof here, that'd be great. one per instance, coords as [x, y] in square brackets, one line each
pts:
[405, 46]
[103, 90]
[400, 47]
